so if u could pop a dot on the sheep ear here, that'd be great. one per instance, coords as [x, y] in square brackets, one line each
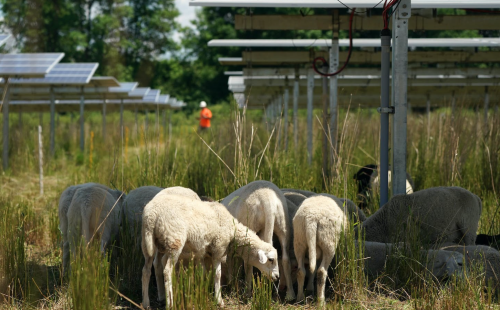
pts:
[262, 257]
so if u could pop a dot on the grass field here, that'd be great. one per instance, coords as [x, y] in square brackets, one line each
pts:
[450, 150]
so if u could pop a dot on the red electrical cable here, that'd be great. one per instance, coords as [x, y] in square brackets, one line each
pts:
[348, 54]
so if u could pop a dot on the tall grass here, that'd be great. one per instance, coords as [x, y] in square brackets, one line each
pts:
[459, 150]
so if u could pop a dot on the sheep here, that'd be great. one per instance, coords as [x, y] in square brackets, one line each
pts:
[368, 180]
[182, 191]
[442, 214]
[298, 191]
[485, 256]
[317, 228]
[441, 264]
[93, 212]
[64, 202]
[179, 224]
[262, 207]
[134, 204]
[295, 198]
[349, 207]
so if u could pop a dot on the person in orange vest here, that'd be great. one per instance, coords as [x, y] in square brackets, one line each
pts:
[205, 116]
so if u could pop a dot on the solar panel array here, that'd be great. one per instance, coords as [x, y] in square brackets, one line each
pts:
[163, 99]
[28, 65]
[139, 91]
[124, 87]
[152, 96]
[63, 74]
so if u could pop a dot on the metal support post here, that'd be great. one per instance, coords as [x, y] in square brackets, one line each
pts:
[334, 64]
[20, 119]
[169, 126]
[279, 124]
[146, 122]
[428, 111]
[295, 109]
[104, 120]
[325, 130]
[486, 106]
[52, 121]
[82, 123]
[453, 105]
[310, 98]
[40, 159]
[164, 122]
[399, 78]
[385, 109]
[5, 129]
[285, 123]
[121, 117]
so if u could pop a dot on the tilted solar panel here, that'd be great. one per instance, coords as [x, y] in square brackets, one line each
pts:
[139, 91]
[124, 87]
[64, 74]
[163, 99]
[152, 95]
[28, 65]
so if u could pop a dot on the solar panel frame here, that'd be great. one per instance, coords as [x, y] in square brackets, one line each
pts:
[139, 91]
[4, 37]
[152, 96]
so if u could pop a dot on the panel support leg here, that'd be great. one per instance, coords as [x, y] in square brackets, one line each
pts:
[295, 109]
[82, 122]
[5, 129]
[310, 99]
[385, 37]
[52, 121]
[334, 64]
[285, 122]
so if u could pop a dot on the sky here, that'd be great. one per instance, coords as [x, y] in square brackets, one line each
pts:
[187, 12]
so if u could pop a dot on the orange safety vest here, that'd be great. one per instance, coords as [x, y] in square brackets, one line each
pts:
[205, 116]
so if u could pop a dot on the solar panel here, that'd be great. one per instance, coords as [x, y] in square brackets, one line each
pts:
[28, 65]
[104, 81]
[163, 99]
[3, 38]
[152, 96]
[124, 87]
[63, 74]
[139, 91]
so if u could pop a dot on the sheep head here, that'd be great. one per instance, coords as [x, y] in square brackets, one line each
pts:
[444, 264]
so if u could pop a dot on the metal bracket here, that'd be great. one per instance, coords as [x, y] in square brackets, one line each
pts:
[404, 9]
[389, 110]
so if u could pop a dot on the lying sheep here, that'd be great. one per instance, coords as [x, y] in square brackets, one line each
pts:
[441, 264]
[369, 181]
[134, 204]
[94, 213]
[441, 214]
[64, 202]
[317, 229]
[486, 257]
[262, 207]
[204, 228]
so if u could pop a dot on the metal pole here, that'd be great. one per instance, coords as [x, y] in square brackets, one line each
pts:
[5, 130]
[325, 130]
[104, 120]
[52, 121]
[164, 122]
[310, 98]
[295, 109]
[399, 77]
[285, 129]
[453, 103]
[384, 110]
[20, 119]
[40, 158]
[486, 106]
[169, 126]
[428, 111]
[334, 64]
[121, 117]
[279, 109]
[136, 122]
[82, 121]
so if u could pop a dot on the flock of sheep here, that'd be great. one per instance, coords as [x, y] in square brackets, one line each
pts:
[174, 224]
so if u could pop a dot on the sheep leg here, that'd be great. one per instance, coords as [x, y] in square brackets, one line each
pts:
[65, 255]
[217, 276]
[249, 278]
[322, 272]
[310, 281]
[290, 294]
[160, 282]
[146, 274]
[169, 262]
[301, 272]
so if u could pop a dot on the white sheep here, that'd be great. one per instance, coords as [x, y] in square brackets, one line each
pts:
[181, 191]
[317, 226]
[441, 214]
[441, 264]
[178, 224]
[486, 257]
[64, 202]
[262, 207]
[94, 213]
[349, 207]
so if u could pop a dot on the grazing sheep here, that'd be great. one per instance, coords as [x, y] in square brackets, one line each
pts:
[262, 207]
[298, 191]
[94, 213]
[368, 181]
[355, 214]
[181, 191]
[441, 264]
[442, 214]
[486, 257]
[64, 202]
[181, 224]
[492, 241]
[317, 228]
[296, 198]
[134, 204]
